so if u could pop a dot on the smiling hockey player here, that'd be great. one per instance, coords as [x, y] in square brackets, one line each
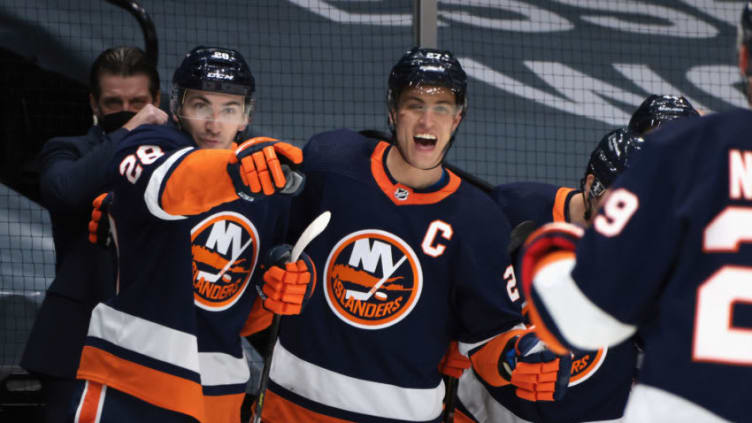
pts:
[192, 217]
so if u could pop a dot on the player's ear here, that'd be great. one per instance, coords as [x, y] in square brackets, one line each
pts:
[157, 99]
[457, 119]
[392, 116]
[588, 183]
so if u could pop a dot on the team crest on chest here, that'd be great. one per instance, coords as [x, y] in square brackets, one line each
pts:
[584, 365]
[372, 279]
[225, 247]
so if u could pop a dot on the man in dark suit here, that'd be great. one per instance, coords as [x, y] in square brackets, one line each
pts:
[124, 94]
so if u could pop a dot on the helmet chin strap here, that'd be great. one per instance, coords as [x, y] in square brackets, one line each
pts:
[586, 200]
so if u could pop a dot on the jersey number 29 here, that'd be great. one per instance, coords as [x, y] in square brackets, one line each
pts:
[715, 337]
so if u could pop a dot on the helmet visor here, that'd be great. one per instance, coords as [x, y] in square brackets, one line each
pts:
[197, 108]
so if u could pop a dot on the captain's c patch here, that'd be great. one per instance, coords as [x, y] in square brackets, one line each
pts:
[372, 279]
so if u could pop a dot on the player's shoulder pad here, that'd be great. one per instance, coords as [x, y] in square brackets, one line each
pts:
[481, 210]
[167, 137]
[328, 150]
[523, 191]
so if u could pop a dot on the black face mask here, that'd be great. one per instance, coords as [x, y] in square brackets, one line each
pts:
[114, 121]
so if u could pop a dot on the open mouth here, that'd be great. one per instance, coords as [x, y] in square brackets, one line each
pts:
[425, 140]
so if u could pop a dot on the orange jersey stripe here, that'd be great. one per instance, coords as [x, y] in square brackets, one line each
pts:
[560, 204]
[223, 408]
[155, 387]
[90, 403]
[258, 319]
[280, 410]
[386, 185]
[460, 417]
[199, 183]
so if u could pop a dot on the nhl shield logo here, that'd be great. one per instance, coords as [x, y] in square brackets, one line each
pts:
[401, 194]
[225, 248]
[372, 279]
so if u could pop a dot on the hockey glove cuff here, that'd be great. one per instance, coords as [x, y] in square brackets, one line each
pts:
[454, 363]
[537, 373]
[264, 166]
[549, 244]
[99, 224]
[549, 239]
[286, 287]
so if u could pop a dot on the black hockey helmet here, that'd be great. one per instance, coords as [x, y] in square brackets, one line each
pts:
[607, 161]
[658, 109]
[427, 66]
[611, 157]
[214, 69]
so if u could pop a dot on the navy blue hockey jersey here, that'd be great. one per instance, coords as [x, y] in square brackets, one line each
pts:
[402, 272]
[669, 254]
[539, 202]
[171, 335]
[600, 380]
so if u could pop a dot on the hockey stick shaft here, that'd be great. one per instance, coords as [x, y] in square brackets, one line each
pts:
[451, 398]
[311, 231]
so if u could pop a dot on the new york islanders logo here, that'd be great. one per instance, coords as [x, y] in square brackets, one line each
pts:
[372, 279]
[584, 365]
[225, 247]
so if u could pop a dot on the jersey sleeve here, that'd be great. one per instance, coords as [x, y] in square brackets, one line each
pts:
[159, 167]
[75, 169]
[633, 240]
[541, 203]
[485, 300]
[600, 296]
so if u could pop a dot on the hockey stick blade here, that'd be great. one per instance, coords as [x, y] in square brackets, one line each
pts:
[309, 233]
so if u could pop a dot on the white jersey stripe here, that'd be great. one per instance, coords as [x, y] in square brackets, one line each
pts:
[151, 194]
[223, 369]
[581, 322]
[351, 394]
[648, 404]
[148, 338]
[144, 337]
[485, 408]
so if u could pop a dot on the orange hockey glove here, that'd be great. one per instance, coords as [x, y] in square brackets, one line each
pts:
[99, 224]
[264, 166]
[454, 363]
[536, 372]
[286, 287]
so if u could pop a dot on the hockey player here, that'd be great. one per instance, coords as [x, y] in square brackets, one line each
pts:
[413, 258]
[600, 379]
[676, 226]
[192, 217]
[657, 110]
